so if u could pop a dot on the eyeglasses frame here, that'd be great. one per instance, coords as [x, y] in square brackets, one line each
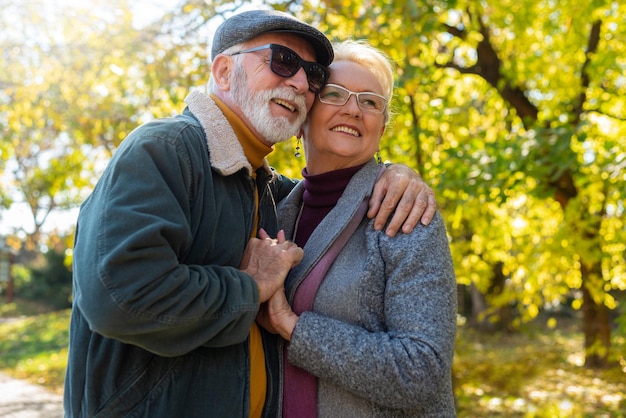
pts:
[301, 64]
[356, 94]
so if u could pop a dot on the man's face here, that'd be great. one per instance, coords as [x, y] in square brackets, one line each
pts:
[275, 106]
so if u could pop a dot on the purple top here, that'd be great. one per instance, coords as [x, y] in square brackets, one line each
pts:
[321, 193]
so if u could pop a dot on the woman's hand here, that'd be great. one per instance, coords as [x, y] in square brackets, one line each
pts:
[276, 315]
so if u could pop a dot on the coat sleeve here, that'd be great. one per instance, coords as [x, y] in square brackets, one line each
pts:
[134, 233]
[409, 358]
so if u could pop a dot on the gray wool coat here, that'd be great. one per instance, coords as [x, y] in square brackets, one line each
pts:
[381, 335]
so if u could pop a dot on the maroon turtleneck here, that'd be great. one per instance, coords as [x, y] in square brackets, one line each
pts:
[321, 193]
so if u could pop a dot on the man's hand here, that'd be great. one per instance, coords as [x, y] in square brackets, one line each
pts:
[268, 261]
[402, 190]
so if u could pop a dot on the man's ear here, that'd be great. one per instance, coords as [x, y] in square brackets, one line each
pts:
[221, 70]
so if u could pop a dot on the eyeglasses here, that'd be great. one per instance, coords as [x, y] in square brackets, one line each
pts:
[336, 95]
[286, 63]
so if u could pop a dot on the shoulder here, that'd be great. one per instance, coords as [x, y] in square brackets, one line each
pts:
[424, 241]
[179, 135]
[171, 128]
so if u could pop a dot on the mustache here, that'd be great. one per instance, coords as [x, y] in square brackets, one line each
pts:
[288, 94]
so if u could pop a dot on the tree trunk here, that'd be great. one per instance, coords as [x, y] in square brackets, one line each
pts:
[596, 325]
[498, 319]
[479, 318]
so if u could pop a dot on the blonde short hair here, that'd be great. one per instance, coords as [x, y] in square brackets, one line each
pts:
[372, 58]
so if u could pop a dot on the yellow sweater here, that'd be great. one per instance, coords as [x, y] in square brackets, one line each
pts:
[255, 152]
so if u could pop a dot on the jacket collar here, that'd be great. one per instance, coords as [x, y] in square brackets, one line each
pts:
[359, 188]
[225, 151]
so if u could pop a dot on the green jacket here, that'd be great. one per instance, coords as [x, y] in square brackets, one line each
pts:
[161, 312]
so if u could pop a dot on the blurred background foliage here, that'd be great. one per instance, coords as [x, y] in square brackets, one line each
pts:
[513, 111]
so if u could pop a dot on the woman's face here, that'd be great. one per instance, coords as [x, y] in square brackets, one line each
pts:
[338, 137]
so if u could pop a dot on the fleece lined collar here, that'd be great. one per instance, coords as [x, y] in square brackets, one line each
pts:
[225, 150]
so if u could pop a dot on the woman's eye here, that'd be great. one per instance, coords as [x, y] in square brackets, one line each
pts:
[369, 103]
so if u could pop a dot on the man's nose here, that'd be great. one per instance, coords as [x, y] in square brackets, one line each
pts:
[300, 81]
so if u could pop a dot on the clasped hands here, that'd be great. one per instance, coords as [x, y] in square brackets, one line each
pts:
[400, 193]
[268, 261]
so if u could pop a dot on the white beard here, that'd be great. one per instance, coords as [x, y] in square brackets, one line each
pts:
[255, 106]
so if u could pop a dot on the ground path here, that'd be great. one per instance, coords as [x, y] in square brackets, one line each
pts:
[20, 399]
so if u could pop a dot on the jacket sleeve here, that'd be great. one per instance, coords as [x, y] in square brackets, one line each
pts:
[408, 359]
[133, 232]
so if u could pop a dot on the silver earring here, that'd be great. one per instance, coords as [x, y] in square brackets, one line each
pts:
[297, 153]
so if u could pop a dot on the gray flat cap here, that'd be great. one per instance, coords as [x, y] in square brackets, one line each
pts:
[244, 26]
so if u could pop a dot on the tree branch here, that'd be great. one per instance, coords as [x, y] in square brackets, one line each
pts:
[488, 66]
[592, 47]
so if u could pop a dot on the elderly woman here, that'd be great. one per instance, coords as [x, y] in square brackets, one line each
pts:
[376, 336]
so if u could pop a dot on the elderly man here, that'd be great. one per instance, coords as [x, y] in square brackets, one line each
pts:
[168, 274]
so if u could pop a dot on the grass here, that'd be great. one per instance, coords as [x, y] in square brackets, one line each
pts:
[535, 373]
[33, 343]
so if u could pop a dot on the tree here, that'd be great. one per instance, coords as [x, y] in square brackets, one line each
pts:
[514, 109]
[49, 68]
[75, 81]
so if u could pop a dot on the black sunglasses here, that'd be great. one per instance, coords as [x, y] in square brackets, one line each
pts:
[286, 63]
